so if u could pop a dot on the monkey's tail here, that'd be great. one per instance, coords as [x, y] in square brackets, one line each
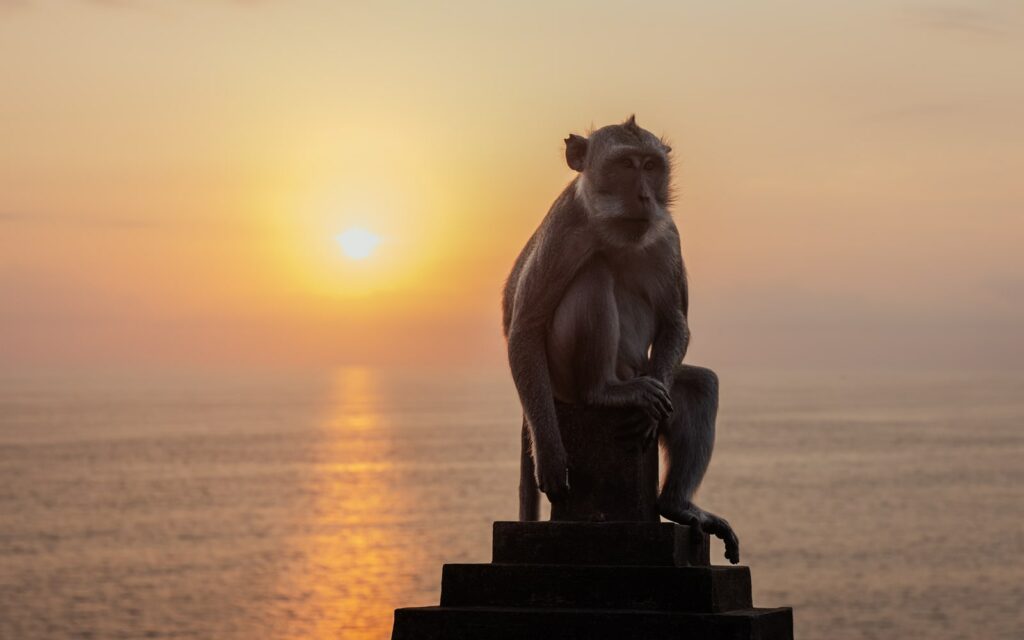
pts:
[529, 495]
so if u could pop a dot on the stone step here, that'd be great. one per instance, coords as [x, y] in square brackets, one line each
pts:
[482, 623]
[650, 588]
[600, 543]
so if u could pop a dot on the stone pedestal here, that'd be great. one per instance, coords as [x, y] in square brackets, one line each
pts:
[594, 581]
[610, 479]
[604, 568]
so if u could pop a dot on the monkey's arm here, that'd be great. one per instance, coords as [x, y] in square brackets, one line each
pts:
[542, 280]
[673, 334]
[669, 347]
[528, 361]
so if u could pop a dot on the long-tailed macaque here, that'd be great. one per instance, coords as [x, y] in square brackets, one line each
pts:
[595, 313]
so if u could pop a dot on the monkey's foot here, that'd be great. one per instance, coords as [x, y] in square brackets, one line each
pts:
[693, 516]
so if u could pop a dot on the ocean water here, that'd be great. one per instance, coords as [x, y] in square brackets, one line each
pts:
[310, 506]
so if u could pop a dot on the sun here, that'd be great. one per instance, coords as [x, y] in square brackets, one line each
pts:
[358, 243]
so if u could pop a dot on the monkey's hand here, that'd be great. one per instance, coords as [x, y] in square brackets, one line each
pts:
[650, 395]
[552, 472]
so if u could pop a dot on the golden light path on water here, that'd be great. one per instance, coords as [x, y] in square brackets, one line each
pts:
[354, 557]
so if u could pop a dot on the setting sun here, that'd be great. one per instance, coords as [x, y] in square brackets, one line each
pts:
[357, 243]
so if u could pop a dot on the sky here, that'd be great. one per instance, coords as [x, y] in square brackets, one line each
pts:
[174, 175]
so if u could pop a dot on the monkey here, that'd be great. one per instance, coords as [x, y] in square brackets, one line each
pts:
[595, 312]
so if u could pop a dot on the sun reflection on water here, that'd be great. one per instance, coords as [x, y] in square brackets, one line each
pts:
[355, 562]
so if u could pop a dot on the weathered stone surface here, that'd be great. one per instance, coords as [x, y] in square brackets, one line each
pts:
[483, 623]
[600, 543]
[682, 589]
[610, 479]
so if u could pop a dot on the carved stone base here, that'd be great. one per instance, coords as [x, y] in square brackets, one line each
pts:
[594, 581]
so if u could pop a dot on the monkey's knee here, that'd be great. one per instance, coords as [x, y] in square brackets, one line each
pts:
[705, 381]
[696, 383]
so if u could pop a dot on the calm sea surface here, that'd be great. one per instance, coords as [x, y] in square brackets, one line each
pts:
[310, 506]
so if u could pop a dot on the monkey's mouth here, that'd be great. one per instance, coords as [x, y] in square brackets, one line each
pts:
[632, 227]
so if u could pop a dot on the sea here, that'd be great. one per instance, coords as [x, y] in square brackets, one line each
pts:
[312, 504]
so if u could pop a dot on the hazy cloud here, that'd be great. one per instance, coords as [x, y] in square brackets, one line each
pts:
[967, 19]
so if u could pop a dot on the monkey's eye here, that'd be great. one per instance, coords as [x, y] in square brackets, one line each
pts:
[649, 165]
[626, 163]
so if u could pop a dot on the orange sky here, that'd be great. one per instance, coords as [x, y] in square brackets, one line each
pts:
[173, 175]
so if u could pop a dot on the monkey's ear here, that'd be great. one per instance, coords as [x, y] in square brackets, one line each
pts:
[575, 151]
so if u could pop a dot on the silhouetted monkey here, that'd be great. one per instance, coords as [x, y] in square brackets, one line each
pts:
[595, 313]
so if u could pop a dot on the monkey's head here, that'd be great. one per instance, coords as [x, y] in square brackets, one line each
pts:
[624, 180]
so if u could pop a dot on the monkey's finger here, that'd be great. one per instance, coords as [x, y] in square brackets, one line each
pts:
[732, 547]
[663, 405]
[654, 406]
[719, 528]
[659, 391]
[657, 384]
[667, 406]
[655, 387]
[665, 398]
[653, 396]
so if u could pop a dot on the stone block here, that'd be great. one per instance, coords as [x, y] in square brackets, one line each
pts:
[610, 479]
[483, 623]
[652, 588]
[600, 543]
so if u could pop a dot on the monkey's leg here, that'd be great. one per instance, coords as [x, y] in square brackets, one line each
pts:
[689, 438]
[529, 494]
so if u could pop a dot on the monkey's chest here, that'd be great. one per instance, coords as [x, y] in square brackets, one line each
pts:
[603, 327]
[635, 312]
